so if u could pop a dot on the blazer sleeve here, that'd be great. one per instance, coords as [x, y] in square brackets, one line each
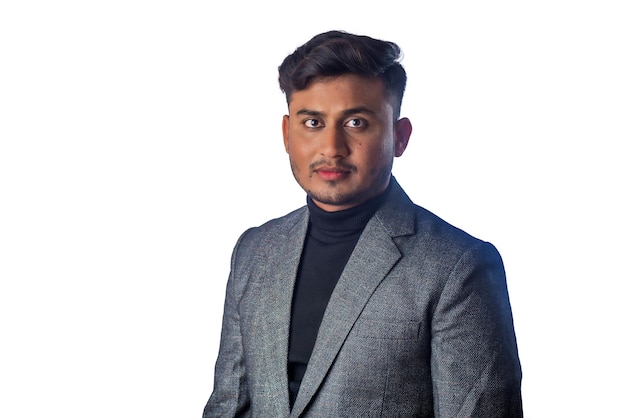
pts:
[230, 396]
[475, 366]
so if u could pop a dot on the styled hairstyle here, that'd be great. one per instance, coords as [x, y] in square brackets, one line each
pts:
[336, 53]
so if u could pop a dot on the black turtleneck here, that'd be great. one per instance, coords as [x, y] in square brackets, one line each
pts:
[329, 242]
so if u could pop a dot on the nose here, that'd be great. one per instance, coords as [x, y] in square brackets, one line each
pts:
[333, 143]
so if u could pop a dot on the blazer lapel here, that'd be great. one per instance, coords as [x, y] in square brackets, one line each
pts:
[273, 311]
[371, 260]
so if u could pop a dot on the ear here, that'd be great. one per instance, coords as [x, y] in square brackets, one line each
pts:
[286, 132]
[403, 131]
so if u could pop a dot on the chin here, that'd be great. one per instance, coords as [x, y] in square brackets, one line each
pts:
[337, 198]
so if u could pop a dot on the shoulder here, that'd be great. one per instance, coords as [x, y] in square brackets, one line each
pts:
[443, 238]
[402, 217]
[435, 229]
[461, 250]
[423, 236]
[273, 230]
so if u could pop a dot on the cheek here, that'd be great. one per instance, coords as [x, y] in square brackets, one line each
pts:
[298, 157]
[299, 144]
[297, 153]
[379, 154]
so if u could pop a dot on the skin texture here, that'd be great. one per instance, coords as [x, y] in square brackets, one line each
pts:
[341, 138]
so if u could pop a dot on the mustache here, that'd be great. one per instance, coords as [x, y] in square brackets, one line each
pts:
[340, 166]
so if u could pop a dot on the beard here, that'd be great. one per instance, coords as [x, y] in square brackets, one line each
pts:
[342, 193]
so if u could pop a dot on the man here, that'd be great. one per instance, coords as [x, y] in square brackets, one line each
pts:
[360, 303]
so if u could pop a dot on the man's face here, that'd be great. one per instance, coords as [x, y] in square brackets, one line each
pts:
[341, 138]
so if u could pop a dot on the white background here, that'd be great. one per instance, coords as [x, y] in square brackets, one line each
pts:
[138, 139]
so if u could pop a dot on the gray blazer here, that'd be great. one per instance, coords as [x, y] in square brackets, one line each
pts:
[419, 325]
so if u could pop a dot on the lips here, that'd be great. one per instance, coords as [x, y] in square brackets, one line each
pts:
[329, 173]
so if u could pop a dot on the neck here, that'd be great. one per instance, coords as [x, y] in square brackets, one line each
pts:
[342, 223]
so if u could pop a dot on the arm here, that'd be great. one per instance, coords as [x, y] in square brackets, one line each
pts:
[230, 393]
[475, 365]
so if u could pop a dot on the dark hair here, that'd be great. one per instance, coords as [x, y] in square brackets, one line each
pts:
[335, 53]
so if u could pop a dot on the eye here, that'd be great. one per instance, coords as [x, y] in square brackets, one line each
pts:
[312, 123]
[356, 123]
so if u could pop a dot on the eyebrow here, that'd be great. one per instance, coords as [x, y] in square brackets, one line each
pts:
[347, 112]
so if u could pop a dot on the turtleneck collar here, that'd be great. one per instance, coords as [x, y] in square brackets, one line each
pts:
[343, 224]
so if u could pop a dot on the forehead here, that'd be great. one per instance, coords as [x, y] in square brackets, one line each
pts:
[341, 92]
